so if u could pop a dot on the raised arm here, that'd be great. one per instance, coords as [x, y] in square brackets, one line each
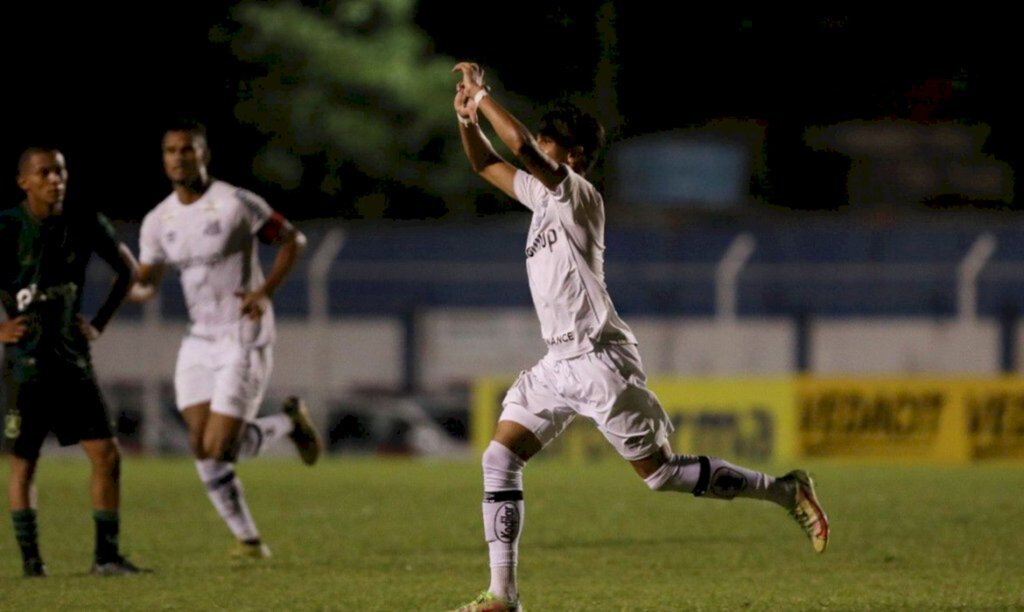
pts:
[482, 157]
[510, 130]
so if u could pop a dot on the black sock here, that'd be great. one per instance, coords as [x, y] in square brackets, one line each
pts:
[108, 526]
[26, 533]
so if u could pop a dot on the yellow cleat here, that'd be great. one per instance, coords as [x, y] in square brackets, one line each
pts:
[244, 550]
[806, 510]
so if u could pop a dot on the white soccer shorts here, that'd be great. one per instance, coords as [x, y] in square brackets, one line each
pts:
[232, 377]
[607, 386]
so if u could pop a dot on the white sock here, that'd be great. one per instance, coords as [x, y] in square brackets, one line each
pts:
[261, 433]
[225, 491]
[718, 479]
[503, 511]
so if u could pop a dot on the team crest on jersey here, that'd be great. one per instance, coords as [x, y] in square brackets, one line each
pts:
[170, 236]
[212, 227]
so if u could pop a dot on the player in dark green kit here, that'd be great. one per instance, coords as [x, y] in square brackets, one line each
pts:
[47, 371]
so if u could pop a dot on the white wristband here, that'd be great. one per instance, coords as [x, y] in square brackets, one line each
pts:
[465, 122]
[480, 95]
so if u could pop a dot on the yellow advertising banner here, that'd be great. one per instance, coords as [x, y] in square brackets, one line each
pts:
[995, 418]
[746, 419]
[880, 418]
[930, 419]
[933, 419]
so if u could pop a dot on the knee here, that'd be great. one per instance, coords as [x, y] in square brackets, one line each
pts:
[195, 442]
[22, 470]
[654, 481]
[497, 456]
[220, 449]
[657, 478]
[503, 469]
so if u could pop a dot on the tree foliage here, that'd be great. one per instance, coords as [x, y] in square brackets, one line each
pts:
[351, 92]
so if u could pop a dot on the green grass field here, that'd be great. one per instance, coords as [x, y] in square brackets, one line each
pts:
[405, 535]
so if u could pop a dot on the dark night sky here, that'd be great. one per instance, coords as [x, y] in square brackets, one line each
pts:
[102, 91]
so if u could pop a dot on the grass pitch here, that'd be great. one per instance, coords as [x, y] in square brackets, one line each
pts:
[361, 534]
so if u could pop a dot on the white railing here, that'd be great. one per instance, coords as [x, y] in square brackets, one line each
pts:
[967, 276]
[723, 276]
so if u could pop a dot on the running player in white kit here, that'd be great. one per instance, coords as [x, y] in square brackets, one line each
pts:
[207, 229]
[592, 367]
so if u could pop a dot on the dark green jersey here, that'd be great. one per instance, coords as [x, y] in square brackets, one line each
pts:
[42, 273]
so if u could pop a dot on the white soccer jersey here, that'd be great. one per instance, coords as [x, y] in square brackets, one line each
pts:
[565, 264]
[212, 242]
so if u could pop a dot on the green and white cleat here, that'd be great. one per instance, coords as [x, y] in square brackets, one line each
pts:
[489, 602]
[806, 510]
[250, 550]
[304, 434]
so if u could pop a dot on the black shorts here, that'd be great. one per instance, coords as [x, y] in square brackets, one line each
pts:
[72, 408]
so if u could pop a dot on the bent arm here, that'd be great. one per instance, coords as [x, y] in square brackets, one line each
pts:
[485, 161]
[511, 131]
[123, 266]
[518, 139]
[291, 243]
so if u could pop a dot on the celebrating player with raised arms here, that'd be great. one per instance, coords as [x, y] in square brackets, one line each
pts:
[592, 367]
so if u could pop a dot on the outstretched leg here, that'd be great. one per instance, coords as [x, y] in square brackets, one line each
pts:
[716, 478]
[293, 421]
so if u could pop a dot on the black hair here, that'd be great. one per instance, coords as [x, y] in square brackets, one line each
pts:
[570, 126]
[188, 125]
[27, 154]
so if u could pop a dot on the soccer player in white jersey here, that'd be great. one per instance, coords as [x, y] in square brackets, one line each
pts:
[208, 229]
[592, 367]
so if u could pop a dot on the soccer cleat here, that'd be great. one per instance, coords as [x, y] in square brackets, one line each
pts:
[33, 568]
[303, 434]
[806, 510]
[117, 567]
[250, 550]
[489, 602]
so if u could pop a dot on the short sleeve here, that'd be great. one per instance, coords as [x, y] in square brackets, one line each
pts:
[150, 251]
[255, 210]
[529, 191]
[575, 191]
